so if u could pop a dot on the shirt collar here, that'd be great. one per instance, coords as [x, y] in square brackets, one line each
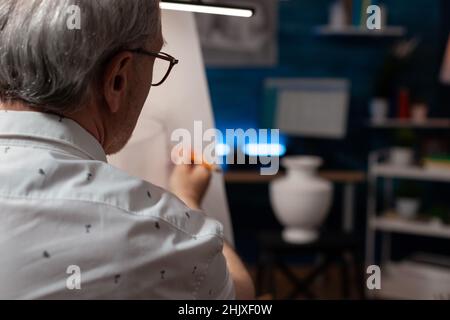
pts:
[50, 128]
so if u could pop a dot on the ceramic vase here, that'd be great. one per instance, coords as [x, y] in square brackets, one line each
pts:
[301, 200]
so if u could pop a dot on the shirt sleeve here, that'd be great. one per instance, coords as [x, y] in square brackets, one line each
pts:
[218, 283]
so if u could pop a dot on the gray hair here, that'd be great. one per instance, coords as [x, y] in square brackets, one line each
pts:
[50, 66]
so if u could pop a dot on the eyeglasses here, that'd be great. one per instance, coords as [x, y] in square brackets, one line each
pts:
[162, 67]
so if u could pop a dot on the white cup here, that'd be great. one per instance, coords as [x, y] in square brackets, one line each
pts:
[407, 208]
[402, 157]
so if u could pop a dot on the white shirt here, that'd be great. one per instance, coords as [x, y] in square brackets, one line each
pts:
[63, 207]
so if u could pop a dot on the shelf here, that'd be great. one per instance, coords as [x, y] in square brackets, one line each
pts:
[354, 31]
[398, 225]
[254, 177]
[413, 281]
[414, 173]
[400, 124]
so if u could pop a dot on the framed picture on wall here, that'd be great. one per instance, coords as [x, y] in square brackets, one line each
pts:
[241, 42]
[314, 108]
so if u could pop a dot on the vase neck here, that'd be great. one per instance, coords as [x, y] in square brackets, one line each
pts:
[302, 172]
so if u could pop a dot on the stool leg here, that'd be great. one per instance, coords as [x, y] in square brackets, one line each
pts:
[271, 275]
[300, 286]
[345, 278]
[265, 274]
[360, 274]
[260, 273]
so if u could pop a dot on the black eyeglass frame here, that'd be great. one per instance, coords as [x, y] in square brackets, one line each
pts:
[160, 55]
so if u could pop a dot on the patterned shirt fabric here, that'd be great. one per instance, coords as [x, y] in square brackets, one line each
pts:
[63, 207]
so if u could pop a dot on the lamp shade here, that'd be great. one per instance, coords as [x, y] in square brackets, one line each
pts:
[445, 73]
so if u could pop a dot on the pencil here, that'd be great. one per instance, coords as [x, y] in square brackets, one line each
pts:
[209, 166]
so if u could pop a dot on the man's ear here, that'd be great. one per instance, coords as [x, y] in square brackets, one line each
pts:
[116, 81]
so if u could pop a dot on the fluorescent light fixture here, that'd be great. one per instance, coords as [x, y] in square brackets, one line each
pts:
[200, 7]
[264, 149]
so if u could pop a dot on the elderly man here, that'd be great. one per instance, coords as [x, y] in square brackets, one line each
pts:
[72, 226]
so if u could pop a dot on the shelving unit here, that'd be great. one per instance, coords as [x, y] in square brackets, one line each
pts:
[395, 284]
[395, 225]
[410, 280]
[401, 124]
[355, 31]
[413, 173]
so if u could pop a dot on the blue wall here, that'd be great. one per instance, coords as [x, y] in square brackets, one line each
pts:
[237, 94]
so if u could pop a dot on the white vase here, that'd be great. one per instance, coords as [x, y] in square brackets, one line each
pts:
[379, 109]
[419, 113]
[301, 200]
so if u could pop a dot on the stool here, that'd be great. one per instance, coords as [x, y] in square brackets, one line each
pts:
[333, 247]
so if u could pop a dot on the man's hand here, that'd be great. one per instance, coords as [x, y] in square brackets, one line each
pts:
[190, 183]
